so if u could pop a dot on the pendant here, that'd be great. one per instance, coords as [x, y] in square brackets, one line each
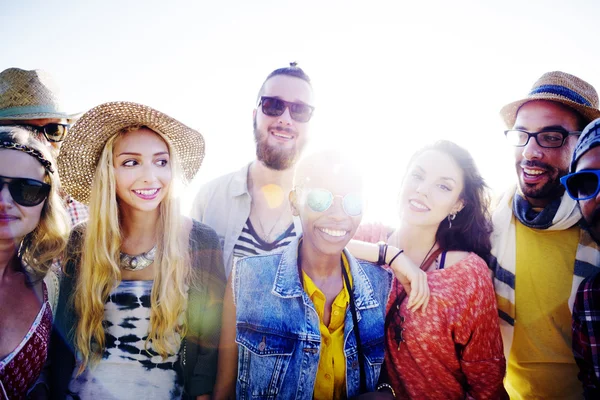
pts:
[139, 262]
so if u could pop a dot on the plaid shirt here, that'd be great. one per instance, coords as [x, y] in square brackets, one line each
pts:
[78, 212]
[586, 335]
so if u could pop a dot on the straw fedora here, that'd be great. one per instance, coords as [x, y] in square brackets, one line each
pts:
[30, 95]
[562, 88]
[82, 148]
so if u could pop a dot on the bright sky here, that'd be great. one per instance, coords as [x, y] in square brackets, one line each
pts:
[389, 76]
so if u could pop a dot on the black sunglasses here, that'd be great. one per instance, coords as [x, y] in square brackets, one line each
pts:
[52, 132]
[548, 138]
[25, 192]
[274, 107]
[582, 185]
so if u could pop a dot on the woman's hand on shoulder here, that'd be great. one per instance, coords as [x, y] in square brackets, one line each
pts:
[412, 279]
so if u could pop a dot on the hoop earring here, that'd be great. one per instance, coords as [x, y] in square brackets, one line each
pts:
[451, 217]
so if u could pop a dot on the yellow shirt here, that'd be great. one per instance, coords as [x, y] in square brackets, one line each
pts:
[541, 363]
[331, 373]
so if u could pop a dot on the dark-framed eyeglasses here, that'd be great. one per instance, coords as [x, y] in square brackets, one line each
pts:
[319, 200]
[274, 107]
[547, 138]
[24, 191]
[582, 185]
[53, 132]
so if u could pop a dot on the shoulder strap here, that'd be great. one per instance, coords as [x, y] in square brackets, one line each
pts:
[361, 357]
[443, 260]
[53, 287]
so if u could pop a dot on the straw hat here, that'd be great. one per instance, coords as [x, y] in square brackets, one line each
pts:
[83, 146]
[560, 87]
[30, 95]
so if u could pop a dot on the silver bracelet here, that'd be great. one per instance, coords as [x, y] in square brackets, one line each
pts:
[386, 386]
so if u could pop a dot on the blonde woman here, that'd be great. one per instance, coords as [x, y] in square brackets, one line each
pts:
[141, 301]
[33, 231]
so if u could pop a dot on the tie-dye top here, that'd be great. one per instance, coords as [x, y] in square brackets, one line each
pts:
[128, 370]
[21, 368]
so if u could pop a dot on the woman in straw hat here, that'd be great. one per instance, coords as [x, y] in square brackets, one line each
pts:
[142, 295]
[33, 231]
[453, 349]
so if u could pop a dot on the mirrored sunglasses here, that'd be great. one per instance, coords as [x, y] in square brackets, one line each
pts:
[274, 107]
[52, 132]
[582, 185]
[25, 192]
[320, 200]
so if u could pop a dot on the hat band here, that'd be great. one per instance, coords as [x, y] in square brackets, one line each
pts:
[28, 110]
[562, 91]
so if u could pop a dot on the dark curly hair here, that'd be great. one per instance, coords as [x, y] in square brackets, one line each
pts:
[472, 226]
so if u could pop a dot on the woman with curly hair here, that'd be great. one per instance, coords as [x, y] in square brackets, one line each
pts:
[141, 300]
[452, 349]
[33, 232]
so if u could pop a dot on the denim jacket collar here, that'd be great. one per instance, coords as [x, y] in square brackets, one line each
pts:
[287, 280]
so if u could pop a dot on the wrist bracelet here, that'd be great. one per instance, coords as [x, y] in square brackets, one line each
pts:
[383, 246]
[394, 258]
[386, 386]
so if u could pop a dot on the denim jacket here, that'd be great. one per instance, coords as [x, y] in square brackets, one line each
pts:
[224, 204]
[278, 333]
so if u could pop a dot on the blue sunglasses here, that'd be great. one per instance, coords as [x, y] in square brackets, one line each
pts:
[319, 200]
[582, 185]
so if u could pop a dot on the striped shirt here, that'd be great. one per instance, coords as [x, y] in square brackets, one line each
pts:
[249, 243]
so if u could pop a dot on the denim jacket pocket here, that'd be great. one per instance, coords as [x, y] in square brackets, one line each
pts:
[264, 358]
[374, 353]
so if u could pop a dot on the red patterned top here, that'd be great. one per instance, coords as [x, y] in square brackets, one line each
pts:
[454, 350]
[21, 368]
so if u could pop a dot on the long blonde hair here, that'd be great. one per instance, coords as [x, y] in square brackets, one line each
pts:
[99, 272]
[47, 241]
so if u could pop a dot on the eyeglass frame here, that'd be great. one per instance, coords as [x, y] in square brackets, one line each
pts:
[41, 130]
[565, 134]
[287, 105]
[564, 179]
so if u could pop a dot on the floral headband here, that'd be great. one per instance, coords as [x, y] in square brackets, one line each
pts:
[28, 150]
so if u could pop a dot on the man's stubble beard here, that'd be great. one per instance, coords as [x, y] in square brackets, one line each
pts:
[551, 190]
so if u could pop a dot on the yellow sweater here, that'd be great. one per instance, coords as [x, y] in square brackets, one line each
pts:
[541, 363]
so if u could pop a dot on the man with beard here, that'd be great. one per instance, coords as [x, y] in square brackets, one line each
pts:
[583, 185]
[248, 208]
[538, 248]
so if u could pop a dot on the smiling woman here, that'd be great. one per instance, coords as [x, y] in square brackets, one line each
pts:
[145, 283]
[33, 231]
[313, 289]
[445, 229]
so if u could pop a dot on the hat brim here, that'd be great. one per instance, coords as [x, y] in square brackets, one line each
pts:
[509, 111]
[83, 146]
[41, 115]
